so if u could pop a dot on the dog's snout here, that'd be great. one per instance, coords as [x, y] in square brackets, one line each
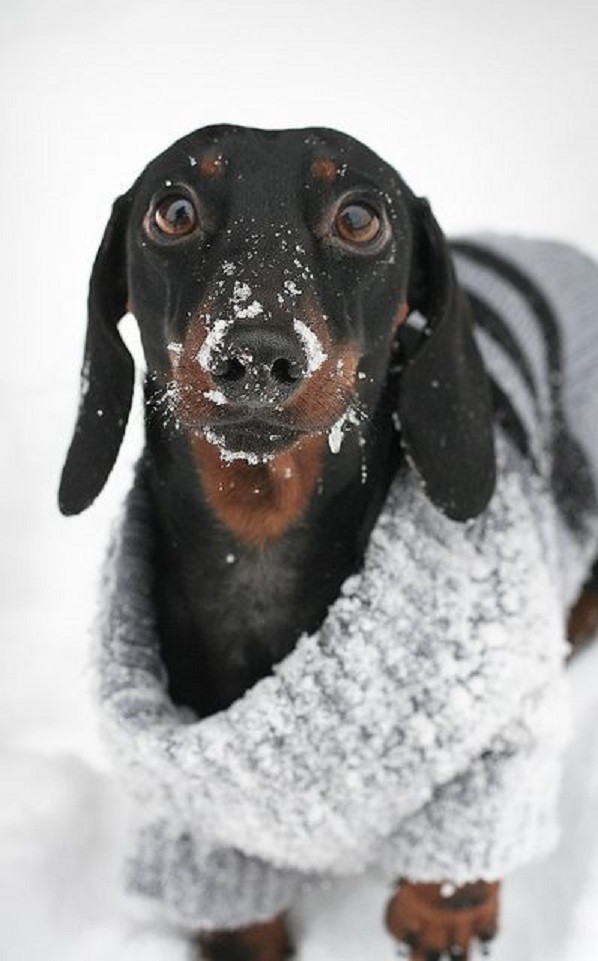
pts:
[258, 367]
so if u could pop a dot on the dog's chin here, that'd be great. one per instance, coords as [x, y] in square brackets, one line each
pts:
[251, 441]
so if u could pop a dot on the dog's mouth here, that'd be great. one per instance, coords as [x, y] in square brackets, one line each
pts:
[326, 405]
[260, 440]
[257, 435]
[251, 439]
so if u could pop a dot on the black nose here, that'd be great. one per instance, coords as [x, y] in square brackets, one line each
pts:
[258, 367]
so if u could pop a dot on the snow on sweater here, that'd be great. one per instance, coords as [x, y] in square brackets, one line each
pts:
[420, 729]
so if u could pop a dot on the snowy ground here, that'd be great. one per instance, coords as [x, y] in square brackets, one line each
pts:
[492, 114]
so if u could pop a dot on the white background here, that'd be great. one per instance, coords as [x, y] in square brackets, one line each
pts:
[491, 110]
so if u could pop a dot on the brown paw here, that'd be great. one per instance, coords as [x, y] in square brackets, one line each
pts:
[583, 620]
[267, 941]
[436, 922]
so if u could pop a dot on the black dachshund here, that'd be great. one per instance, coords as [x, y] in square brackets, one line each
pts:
[272, 275]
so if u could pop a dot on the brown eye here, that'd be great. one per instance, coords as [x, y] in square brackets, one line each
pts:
[175, 216]
[357, 224]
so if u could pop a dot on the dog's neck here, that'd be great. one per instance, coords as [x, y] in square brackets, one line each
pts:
[231, 601]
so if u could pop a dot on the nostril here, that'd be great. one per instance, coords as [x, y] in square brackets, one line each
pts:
[285, 371]
[230, 369]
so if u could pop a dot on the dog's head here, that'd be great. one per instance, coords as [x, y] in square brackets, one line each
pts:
[271, 274]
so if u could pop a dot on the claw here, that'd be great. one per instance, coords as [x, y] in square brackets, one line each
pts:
[457, 953]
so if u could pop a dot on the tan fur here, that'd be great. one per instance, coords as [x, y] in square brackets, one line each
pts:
[432, 923]
[324, 395]
[262, 941]
[401, 314]
[258, 503]
[191, 381]
[211, 165]
[583, 620]
[324, 169]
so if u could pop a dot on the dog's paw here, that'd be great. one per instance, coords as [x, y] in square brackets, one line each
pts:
[435, 921]
[265, 941]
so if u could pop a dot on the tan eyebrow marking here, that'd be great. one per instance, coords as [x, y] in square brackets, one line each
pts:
[324, 169]
[212, 165]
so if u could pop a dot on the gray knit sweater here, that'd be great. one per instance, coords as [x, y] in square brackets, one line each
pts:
[420, 729]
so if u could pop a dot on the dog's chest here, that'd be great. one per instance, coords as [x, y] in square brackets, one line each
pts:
[227, 620]
[252, 611]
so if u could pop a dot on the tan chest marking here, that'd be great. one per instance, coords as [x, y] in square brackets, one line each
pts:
[258, 503]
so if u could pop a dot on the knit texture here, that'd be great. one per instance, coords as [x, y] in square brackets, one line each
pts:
[419, 730]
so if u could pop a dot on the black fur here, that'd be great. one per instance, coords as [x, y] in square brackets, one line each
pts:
[229, 611]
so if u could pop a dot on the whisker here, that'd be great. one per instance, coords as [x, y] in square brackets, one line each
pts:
[162, 402]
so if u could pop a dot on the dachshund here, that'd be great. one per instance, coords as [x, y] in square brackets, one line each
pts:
[275, 277]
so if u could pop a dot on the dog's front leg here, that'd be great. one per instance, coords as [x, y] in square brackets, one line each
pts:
[265, 941]
[442, 920]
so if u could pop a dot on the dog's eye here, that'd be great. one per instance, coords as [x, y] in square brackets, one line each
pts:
[175, 216]
[357, 224]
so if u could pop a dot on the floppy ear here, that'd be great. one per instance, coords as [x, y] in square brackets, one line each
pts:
[445, 408]
[107, 376]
